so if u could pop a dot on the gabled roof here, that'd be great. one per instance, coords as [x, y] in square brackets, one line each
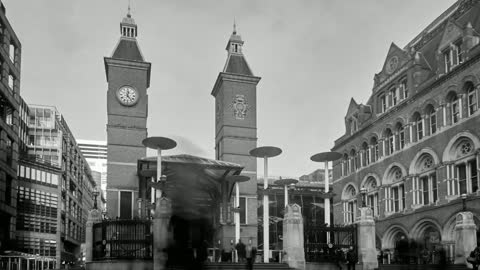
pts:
[127, 49]
[452, 32]
[352, 107]
[237, 64]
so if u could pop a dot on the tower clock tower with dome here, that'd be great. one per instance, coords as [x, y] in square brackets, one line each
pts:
[128, 78]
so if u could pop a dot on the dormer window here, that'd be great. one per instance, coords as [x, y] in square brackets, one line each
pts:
[453, 56]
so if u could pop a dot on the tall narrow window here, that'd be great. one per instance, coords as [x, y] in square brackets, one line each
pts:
[425, 190]
[447, 60]
[432, 116]
[457, 50]
[433, 179]
[403, 88]
[394, 95]
[473, 174]
[396, 201]
[375, 151]
[471, 99]
[401, 136]
[462, 178]
[454, 107]
[419, 125]
[383, 103]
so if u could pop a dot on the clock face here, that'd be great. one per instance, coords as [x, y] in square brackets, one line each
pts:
[127, 95]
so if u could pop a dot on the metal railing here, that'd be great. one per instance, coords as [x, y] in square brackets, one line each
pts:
[122, 239]
[329, 243]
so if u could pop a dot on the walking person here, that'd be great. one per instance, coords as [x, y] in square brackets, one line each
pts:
[351, 258]
[250, 253]
[474, 257]
[240, 247]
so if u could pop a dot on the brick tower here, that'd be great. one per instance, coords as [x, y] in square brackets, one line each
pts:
[236, 132]
[128, 77]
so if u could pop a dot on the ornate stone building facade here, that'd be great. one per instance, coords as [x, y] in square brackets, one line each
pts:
[415, 145]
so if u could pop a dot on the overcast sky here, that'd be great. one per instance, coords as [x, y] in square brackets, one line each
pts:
[312, 55]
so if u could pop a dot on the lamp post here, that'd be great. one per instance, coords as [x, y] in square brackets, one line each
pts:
[161, 218]
[159, 144]
[464, 202]
[265, 152]
[285, 183]
[236, 179]
[326, 157]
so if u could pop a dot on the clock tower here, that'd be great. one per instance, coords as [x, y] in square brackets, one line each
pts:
[235, 93]
[128, 77]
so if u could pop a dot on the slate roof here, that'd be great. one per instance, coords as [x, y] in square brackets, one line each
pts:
[128, 49]
[238, 65]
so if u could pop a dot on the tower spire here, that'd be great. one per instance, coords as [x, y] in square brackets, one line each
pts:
[234, 26]
[128, 13]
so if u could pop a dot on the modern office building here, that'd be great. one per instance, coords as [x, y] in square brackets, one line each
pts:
[95, 152]
[53, 151]
[10, 62]
[414, 147]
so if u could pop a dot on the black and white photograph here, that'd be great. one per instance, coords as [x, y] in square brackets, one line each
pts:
[231, 135]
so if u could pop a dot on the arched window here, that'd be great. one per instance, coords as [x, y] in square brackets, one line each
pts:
[365, 154]
[390, 142]
[432, 117]
[425, 185]
[372, 194]
[401, 135]
[454, 103]
[395, 192]
[418, 122]
[464, 170]
[471, 98]
[374, 149]
[349, 198]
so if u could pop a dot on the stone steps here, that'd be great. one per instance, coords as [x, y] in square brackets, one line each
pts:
[422, 267]
[238, 266]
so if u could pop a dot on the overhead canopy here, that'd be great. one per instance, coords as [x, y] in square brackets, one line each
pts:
[194, 184]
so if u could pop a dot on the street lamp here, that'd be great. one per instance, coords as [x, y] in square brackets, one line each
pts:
[286, 183]
[464, 202]
[363, 191]
[265, 152]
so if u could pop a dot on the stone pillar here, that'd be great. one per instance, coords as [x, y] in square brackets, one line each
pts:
[161, 219]
[367, 252]
[94, 216]
[465, 237]
[293, 237]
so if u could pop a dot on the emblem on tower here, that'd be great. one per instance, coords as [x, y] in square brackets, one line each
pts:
[240, 107]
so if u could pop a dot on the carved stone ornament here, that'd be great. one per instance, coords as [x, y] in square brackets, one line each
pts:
[240, 107]
[392, 65]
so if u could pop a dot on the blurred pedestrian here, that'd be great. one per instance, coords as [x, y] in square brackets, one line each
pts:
[351, 258]
[474, 257]
[250, 253]
[240, 247]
